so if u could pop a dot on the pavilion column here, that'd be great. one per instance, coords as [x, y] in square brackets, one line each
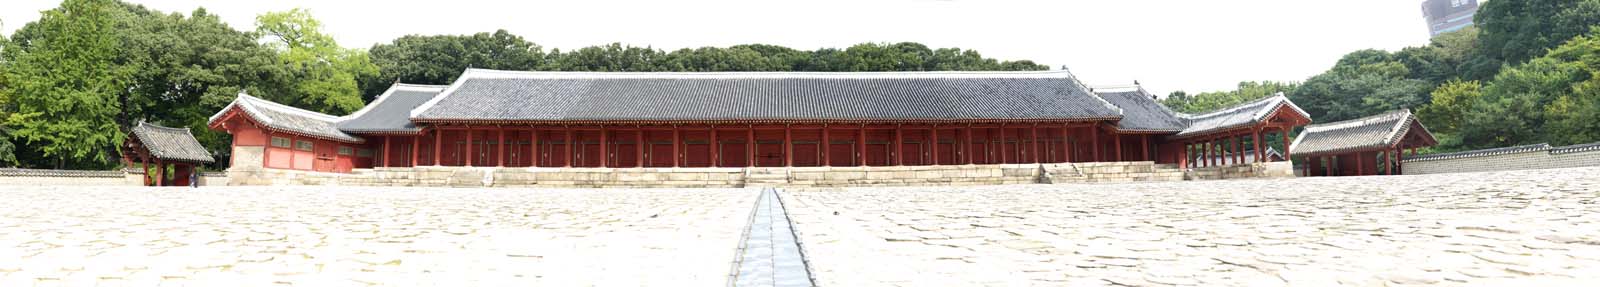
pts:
[1286, 142]
[966, 147]
[1066, 146]
[677, 137]
[1329, 171]
[385, 161]
[1211, 151]
[1255, 140]
[1004, 159]
[1144, 147]
[500, 146]
[1094, 143]
[638, 146]
[1036, 151]
[788, 146]
[538, 151]
[899, 143]
[571, 157]
[750, 146]
[416, 143]
[605, 150]
[1116, 140]
[861, 145]
[438, 147]
[470, 154]
[827, 160]
[144, 161]
[933, 135]
[716, 152]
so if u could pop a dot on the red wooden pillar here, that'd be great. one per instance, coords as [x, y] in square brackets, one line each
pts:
[1066, 146]
[827, 160]
[384, 161]
[899, 144]
[605, 150]
[1004, 158]
[538, 151]
[1094, 143]
[1255, 141]
[750, 146]
[966, 147]
[470, 154]
[1286, 142]
[676, 147]
[1211, 151]
[1116, 139]
[500, 148]
[788, 146]
[638, 145]
[416, 143]
[1329, 171]
[716, 153]
[144, 161]
[861, 145]
[438, 147]
[1036, 151]
[1144, 147]
[934, 137]
[571, 157]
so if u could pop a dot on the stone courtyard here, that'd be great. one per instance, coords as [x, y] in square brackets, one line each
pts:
[1524, 228]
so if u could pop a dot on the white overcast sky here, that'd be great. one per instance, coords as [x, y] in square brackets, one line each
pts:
[1165, 45]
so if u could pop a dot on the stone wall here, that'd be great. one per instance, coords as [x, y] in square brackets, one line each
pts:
[1249, 170]
[1502, 159]
[21, 177]
[949, 175]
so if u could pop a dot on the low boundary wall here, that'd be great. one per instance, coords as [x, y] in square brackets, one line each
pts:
[132, 177]
[1539, 156]
[952, 175]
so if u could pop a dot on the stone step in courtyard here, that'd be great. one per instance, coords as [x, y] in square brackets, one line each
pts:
[1522, 228]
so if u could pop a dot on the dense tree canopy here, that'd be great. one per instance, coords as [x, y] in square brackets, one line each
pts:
[63, 88]
[1248, 91]
[1516, 31]
[73, 82]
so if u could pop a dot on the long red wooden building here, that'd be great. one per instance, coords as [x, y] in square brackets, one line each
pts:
[489, 118]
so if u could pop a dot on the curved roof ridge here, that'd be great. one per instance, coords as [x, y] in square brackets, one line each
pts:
[1385, 116]
[488, 73]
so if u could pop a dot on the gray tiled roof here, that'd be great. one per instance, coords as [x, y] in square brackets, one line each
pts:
[1372, 132]
[1237, 116]
[284, 118]
[171, 144]
[1141, 112]
[489, 95]
[391, 112]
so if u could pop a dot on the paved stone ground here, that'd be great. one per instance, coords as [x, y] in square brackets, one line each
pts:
[341, 236]
[1523, 228]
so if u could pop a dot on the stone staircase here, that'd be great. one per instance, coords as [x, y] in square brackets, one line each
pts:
[1140, 171]
[766, 177]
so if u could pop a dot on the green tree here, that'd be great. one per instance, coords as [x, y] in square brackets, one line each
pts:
[64, 86]
[1362, 83]
[325, 74]
[1452, 102]
[1574, 116]
[1514, 105]
[1181, 101]
[439, 59]
[1516, 31]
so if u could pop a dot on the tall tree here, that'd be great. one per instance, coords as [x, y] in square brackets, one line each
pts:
[8, 151]
[1362, 83]
[1204, 102]
[325, 74]
[64, 85]
[439, 59]
[1516, 31]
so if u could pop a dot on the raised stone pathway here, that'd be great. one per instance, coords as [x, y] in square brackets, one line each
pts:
[770, 256]
[1523, 228]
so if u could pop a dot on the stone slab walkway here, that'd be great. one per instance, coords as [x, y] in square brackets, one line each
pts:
[1525, 228]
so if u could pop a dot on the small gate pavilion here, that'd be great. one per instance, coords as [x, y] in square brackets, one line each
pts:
[1366, 146]
[167, 155]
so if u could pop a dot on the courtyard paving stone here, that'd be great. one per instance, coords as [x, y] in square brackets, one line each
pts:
[1523, 228]
[344, 236]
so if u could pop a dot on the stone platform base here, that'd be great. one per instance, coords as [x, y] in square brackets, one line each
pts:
[1251, 170]
[952, 175]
